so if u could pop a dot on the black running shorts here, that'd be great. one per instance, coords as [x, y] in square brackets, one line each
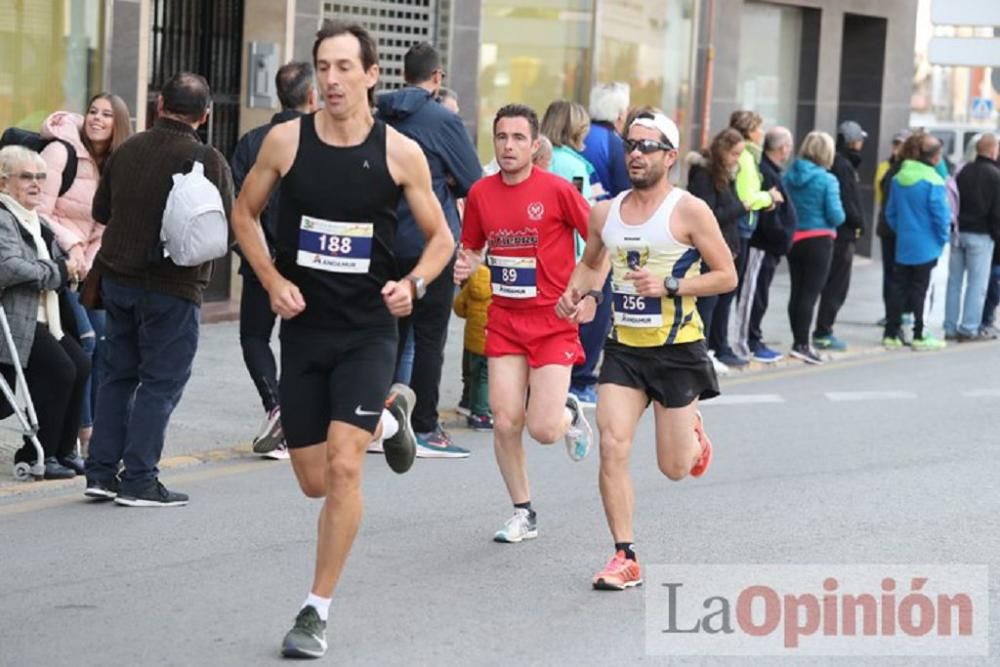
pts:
[333, 375]
[671, 375]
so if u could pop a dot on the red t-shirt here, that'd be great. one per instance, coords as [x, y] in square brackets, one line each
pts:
[528, 229]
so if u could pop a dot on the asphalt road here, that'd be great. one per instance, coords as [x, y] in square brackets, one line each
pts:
[890, 458]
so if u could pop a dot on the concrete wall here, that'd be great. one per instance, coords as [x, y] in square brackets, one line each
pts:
[897, 74]
[463, 73]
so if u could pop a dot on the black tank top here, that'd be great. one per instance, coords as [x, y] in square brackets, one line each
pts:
[336, 229]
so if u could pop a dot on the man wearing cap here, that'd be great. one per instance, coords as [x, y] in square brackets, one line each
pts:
[850, 141]
[655, 236]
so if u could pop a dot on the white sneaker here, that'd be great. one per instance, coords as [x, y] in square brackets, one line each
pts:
[519, 527]
[720, 368]
[579, 435]
[279, 453]
[375, 447]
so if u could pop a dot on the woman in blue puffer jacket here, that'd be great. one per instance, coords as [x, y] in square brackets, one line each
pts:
[816, 195]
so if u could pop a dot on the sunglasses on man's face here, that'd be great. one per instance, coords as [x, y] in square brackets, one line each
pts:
[646, 146]
[27, 176]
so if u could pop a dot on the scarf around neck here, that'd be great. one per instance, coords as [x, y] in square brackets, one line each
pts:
[48, 304]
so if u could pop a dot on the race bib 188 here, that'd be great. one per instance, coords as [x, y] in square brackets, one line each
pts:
[633, 310]
[338, 247]
[513, 277]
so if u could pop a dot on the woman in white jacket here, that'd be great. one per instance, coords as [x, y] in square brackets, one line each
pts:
[94, 136]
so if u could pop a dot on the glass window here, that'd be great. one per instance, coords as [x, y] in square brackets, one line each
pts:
[648, 46]
[50, 58]
[532, 52]
[770, 50]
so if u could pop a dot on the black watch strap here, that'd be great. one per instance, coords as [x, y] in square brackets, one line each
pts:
[597, 294]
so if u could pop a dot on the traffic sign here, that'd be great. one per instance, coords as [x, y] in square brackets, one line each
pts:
[981, 108]
[967, 51]
[965, 12]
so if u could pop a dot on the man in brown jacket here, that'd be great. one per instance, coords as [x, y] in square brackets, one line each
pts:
[152, 304]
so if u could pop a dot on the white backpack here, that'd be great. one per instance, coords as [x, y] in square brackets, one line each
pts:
[195, 229]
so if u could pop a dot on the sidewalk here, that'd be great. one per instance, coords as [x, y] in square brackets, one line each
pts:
[220, 408]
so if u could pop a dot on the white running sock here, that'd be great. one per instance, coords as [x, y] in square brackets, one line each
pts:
[390, 425]
[321, 605]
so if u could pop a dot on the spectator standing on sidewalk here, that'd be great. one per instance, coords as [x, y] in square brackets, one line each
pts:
[918, 213]
[93, 137]
[297, 94]
[772, 237]
[816, 197]
[454, 168]
[972, 242]
[153, 305]
[710, 178]
[850, 140]
[887, 169]
[750, 191]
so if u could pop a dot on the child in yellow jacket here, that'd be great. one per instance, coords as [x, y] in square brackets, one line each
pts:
[472, 303]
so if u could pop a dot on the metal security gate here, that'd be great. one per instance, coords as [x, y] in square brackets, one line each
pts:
[205, 37]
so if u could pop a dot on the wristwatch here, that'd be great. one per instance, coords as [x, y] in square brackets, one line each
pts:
[419, 286]
[671, 284]
[597, 294]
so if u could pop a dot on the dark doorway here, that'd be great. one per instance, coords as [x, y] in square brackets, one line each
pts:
[205, 37]
[862, 64]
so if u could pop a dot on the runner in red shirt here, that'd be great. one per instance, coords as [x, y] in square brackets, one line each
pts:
[524, 219]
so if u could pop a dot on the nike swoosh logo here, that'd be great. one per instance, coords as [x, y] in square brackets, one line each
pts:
[364, 413]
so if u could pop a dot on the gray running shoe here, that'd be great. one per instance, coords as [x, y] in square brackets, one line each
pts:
[307, 638]
[270, 436]
[579, 435]
[522, 526]
[401, 449]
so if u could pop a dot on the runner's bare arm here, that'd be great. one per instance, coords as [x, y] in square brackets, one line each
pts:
[592, 270]
[699, 228]
[275, 158]
[409, 169]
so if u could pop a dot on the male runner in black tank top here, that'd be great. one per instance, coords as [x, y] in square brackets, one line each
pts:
[334, 285]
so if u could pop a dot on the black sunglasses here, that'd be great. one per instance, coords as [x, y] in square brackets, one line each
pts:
[646, 146]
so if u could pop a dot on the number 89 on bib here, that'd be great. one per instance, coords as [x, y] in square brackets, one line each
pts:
[513, 277]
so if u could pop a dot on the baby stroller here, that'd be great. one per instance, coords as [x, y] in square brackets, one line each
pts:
[26, 415]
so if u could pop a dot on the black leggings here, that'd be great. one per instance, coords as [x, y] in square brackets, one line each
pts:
[908, 289]
[256, 325]
[808, 268]
[56, 374]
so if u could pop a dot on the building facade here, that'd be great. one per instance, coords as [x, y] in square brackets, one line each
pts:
[801, 63]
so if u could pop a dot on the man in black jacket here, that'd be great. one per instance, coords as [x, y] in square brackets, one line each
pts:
[850, 140]
[772, 237]
[972, 246]
[454, 166]
[297, 93]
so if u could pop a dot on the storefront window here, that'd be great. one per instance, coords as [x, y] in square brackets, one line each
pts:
[770, 52]
[50, 58]
[533, 52]
[648, 46]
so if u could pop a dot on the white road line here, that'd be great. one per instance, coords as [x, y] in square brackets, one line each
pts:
[743, 399]
[869, 395]
[982, 393]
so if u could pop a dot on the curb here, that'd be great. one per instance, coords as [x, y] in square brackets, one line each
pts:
[12, 488]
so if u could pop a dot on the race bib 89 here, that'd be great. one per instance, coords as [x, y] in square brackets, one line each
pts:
[513, 277]
[337, 247]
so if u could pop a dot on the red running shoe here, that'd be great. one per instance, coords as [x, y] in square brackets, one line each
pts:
[620, 573]
[701, 465]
